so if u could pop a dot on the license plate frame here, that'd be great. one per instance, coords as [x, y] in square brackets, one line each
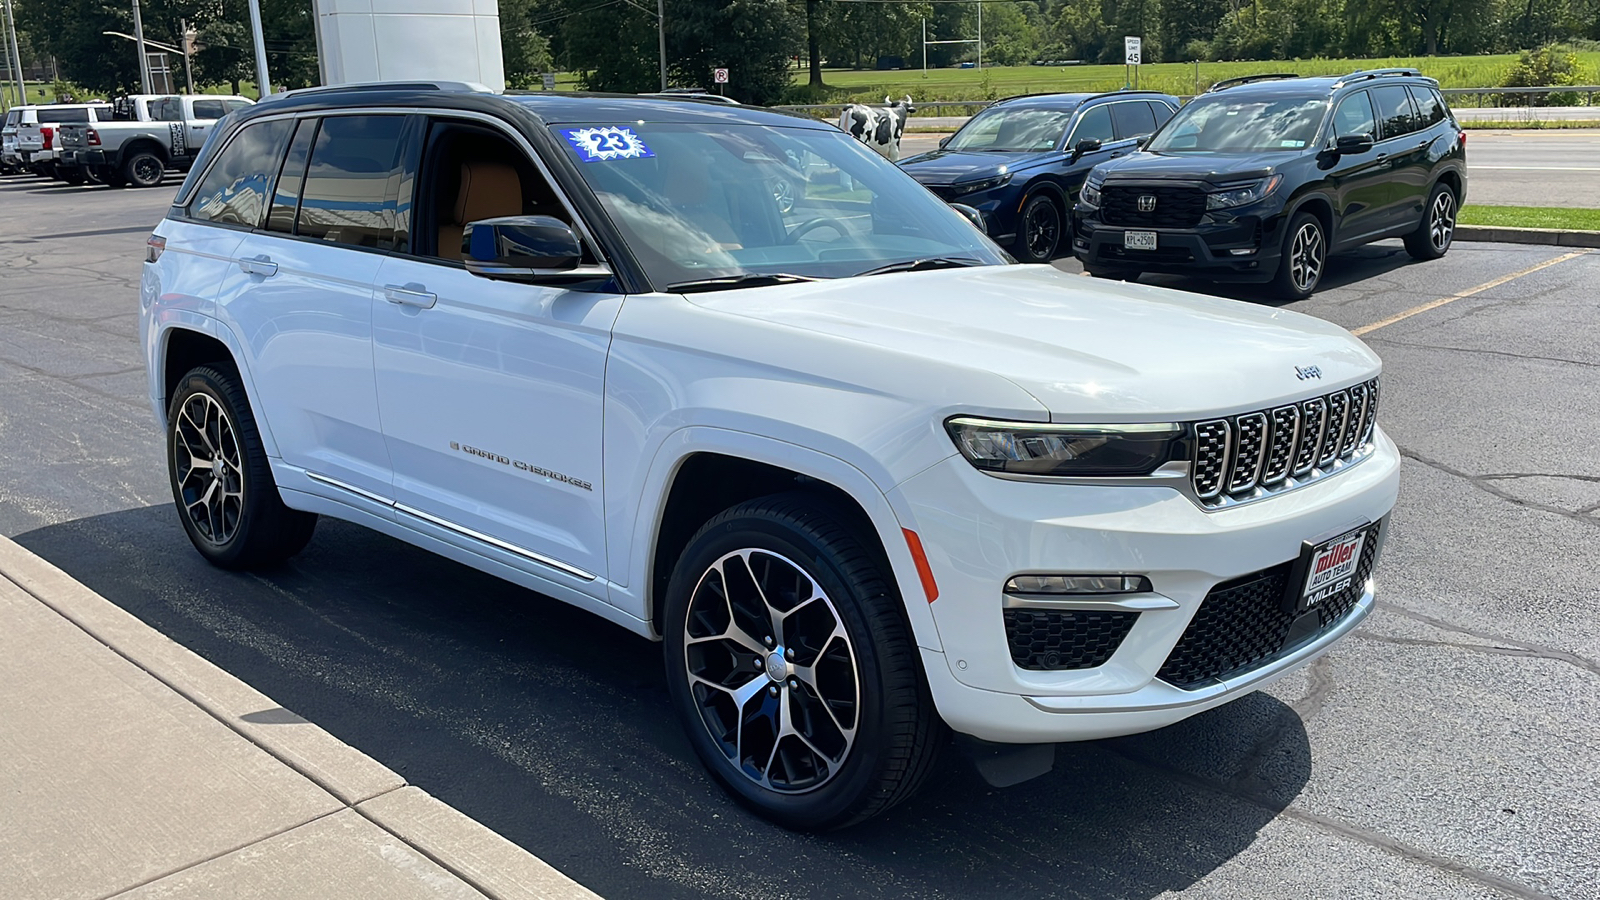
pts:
[1339, 556]
[1139, 240]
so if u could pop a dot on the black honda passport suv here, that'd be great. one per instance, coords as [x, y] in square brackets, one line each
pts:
[1259, 178]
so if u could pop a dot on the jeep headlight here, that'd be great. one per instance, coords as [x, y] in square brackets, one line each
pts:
[1029, 448]
[1090, 195]
[982, 184]
[1241, 195]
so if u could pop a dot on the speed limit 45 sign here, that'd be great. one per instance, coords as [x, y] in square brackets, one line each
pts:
[1130, 50]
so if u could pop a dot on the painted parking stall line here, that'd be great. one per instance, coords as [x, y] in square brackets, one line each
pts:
[1435, 304]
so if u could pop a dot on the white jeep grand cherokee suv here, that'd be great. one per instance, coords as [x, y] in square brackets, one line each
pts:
[729, 379]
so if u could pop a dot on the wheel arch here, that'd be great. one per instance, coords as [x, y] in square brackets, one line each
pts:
[139, 144]
[1452, 178]
[1319, 206]
[196, 341]
[709, 470]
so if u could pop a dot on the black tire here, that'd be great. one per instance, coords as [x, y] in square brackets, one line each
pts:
[1303, 259]
[143, 169]
[1041, 230]
[248, 526]
[1437, 229]
[799, 545]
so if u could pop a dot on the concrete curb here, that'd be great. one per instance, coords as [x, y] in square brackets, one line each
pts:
[1554, 237]
[469, 850]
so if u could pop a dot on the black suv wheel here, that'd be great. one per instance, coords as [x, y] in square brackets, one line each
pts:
[1305, 254]
[792, 669]
[1437, 229]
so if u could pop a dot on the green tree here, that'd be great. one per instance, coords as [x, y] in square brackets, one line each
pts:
[524, 50]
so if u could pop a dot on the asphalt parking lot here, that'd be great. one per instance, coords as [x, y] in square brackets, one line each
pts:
[1447, 750]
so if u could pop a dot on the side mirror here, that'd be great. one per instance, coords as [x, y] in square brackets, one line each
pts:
[944, 141]
[973, 215]
[1353, 143]
[1141, 140]
[1085, 146]
[532, 249]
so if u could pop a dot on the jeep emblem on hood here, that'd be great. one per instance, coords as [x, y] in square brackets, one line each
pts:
[1305, 372]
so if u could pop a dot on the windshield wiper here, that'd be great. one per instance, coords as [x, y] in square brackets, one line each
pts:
[748, 279]
[918, 265]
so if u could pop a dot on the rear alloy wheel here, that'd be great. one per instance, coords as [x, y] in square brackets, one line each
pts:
[791, 667]
[143, 169]
[1305, 254]
[1039, 230]
[221, 480]
[1437, 229]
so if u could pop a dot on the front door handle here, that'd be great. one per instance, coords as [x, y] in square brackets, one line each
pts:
[259, 265]
[410, 295]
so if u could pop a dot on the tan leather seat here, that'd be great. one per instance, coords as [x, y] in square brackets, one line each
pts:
[488, 190]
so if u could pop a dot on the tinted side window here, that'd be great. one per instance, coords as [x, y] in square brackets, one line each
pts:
[236, 105]
[1162, 113]
[346, 199]
[209, 109]
[166, 109]
[1133, 119]
[234, 191]
[1429, 110]
[1096, 123]
[1354, 116]
[1394, 110]
[286, 196]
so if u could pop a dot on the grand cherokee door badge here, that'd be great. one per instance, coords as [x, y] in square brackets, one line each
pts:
[521, 466]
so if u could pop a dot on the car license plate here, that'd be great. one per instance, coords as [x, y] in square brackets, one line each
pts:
[1138, 240]
[1330, 567]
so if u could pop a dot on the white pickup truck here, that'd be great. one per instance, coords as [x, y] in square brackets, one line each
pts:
[145, 137]
[38, 137]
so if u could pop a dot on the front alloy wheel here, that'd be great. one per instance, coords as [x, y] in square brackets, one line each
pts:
[782, 705]
[791, 665]
[1040, 231]
[1305, 253]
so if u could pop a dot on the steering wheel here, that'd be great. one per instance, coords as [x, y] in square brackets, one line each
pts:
[811, 225]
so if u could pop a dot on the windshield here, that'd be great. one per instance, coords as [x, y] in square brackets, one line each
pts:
[1242, 126]
[696, 204]
[1012, 129]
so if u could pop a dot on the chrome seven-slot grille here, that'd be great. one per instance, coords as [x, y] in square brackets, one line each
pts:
[1273, 449]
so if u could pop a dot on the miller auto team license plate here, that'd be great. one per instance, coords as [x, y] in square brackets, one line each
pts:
[1138, 240]
[1329, 567]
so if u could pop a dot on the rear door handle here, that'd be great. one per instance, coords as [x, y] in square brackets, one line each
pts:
[260, 265]
[410, 295]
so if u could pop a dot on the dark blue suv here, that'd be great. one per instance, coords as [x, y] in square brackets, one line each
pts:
[1260, 178]
[1022, 160]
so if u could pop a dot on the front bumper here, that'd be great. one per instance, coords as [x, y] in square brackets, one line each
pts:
[1243, 245]
[979, 531]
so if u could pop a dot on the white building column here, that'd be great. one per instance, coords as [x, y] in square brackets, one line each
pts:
[410, 40]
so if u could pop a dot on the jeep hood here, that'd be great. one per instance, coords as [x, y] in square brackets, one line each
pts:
[1088, 350]
[1210, 167]
[942, 167]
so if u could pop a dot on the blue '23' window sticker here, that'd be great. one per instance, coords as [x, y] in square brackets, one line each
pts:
[606, 143]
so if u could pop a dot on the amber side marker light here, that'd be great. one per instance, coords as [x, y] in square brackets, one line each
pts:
[929, 586]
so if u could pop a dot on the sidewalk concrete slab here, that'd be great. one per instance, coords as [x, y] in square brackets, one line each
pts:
[339, 857]
[130, 764]
[108, 779]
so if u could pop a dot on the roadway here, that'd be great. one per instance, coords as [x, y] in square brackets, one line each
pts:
[1446, 750]
[1523, 167]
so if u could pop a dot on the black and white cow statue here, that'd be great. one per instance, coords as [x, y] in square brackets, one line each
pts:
[879, 127]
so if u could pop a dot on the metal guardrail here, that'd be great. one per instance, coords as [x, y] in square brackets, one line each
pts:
[1588, 91]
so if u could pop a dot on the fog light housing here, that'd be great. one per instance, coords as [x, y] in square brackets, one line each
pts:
[1242, 251]
[1077, 584]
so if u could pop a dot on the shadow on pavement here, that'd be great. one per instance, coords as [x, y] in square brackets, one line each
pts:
[554, 728]
[1344, 268]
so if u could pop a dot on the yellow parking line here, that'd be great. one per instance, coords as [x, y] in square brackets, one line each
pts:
[1435, 304]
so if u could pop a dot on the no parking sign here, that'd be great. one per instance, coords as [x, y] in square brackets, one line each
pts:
[720, 76]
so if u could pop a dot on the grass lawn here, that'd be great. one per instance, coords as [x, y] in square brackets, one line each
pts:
[1177, 78]
[1531, 217]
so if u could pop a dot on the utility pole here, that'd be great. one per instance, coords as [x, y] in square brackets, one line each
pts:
[187, 42]
[16, 56]
[263, 83]
[980, 35]
[144, 61]
[661, 35]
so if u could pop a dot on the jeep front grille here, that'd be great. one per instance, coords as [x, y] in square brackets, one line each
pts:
[1252, 454]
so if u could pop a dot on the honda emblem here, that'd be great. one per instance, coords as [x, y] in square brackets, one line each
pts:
[1147, 203]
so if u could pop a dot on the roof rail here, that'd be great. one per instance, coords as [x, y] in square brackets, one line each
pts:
[385, 86]
[1226, 83]
[1368, 74]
